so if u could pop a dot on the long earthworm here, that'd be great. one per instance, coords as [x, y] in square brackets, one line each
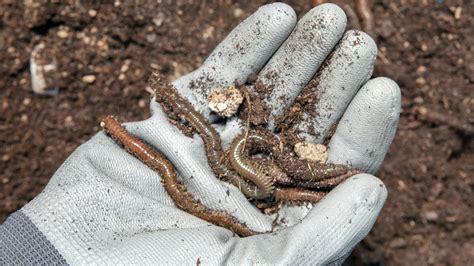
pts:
[168, 96]
[171, 183]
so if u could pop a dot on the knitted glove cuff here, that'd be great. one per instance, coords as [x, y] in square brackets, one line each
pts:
[21, 243]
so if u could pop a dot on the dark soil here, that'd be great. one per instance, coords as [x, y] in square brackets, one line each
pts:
[426, 47]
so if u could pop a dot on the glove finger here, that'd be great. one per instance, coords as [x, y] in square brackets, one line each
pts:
[332, 228]
[298, 59]
[337, 82]
[368, 126]
[189, 158]
[243, 52]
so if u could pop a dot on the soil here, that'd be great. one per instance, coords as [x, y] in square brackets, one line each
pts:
[106, 53]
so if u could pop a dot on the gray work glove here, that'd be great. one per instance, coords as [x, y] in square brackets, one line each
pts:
[105, 206]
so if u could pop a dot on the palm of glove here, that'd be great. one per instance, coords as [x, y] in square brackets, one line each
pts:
[103, 204]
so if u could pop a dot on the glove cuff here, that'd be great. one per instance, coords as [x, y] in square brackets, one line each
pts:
[21, 243]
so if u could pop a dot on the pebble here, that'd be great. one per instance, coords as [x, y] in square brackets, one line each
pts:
[68, 121]
[159, 19]
[24, 118]
[62, 34]
[141, 103]
[431, 216]
[43, 71]
[457, 12]
[5, 180]
[421, 69]
[398, 243]
[151, 37]
[424, 47]
[88, 79]
[26, 101]
[311, 151]
[238, 12]
[6, 158]
[420, 81]
[92, 13]
[208, 33]
[124, 68]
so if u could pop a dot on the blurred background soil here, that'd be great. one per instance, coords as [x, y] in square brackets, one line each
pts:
[105, 54]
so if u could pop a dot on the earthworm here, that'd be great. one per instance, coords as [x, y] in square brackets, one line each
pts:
[287, 194]
[319, 184]
[167, 96]
[307, 170]
[172, 184]
[298, 195]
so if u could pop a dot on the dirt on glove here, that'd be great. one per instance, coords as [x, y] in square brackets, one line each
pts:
[105, 54]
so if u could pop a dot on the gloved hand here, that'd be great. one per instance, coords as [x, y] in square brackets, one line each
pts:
[103, 205]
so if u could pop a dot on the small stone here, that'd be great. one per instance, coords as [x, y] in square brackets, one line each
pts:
[311, 151]
[26, 101]
[424, 47]
[5, 180]
[141, 103]
[420, 81]
[125, 66]
[159, 19]
[418, 100]
[88, 79]
[6, 158]
[43, 71]
[68, 121]
[24, 118]
[225, 102]
[208, 33]
[421, 69]
[398, 243]
[62, 34]
[238, 12]
[431, 216]
[92, 12]
[121, 76]
[151, 37]
[457, 12]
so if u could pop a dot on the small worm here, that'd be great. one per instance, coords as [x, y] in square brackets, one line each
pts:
[167, 96]
[172, 184]
[298, 195]
[319, 184]
[307, 170]
[246, 168]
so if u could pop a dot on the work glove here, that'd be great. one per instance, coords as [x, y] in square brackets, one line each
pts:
[105, 206]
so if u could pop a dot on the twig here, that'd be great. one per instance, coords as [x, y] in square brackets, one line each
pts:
[444, 119]
[365, 14]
